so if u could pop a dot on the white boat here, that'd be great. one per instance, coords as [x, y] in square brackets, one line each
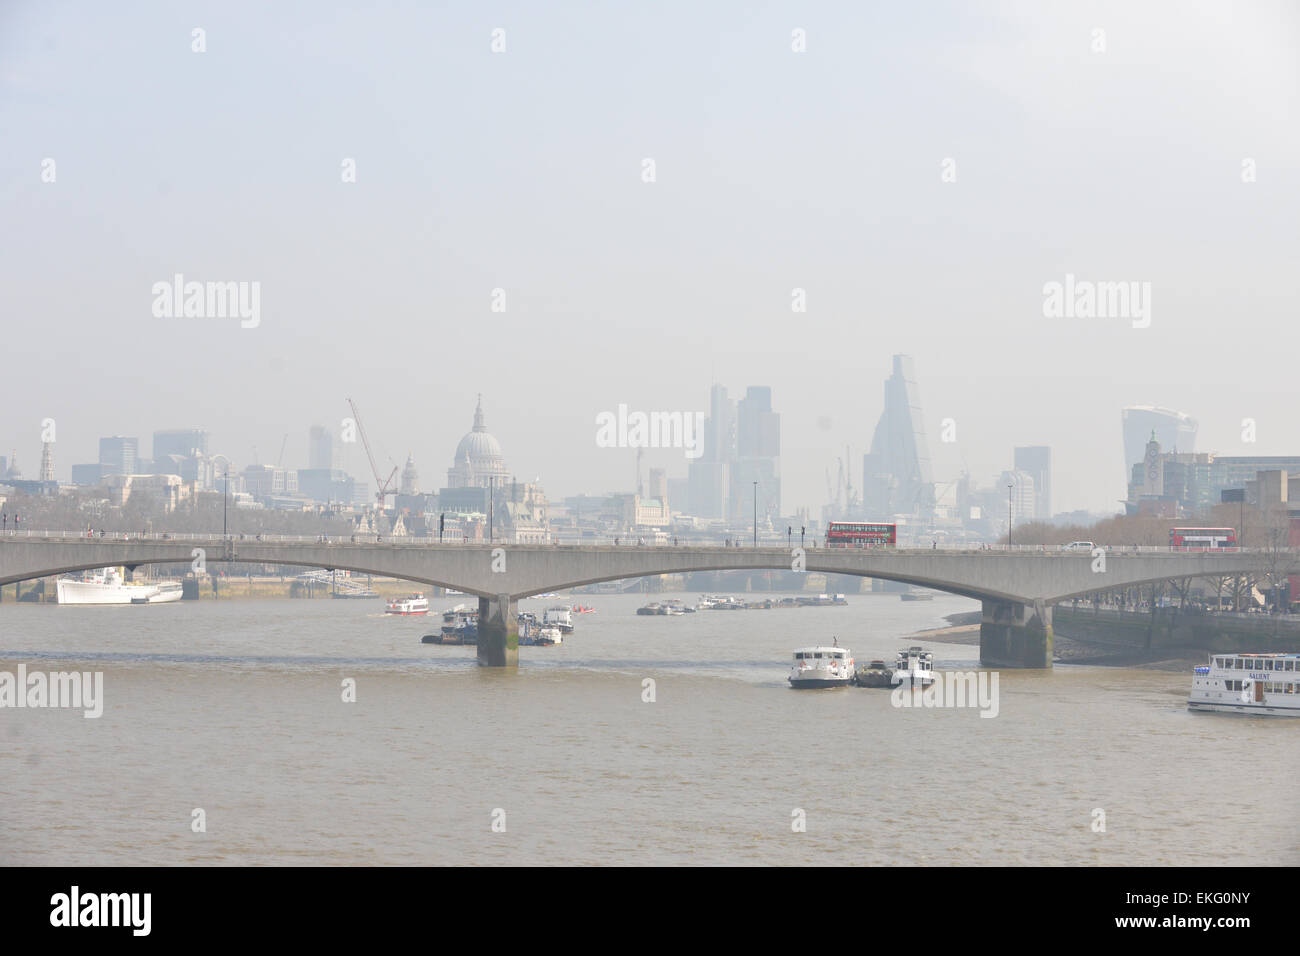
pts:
[1248, 683]
[914, 667]
[560, 617]
[411, 604]
[821, 667]
[549, 635]
[108, 586]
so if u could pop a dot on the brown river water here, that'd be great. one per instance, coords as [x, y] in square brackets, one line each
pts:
[235, 708]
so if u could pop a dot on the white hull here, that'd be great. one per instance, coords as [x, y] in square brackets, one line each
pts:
[85, 592]
[1263, 710]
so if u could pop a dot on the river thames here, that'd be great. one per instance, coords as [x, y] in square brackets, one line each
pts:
[236, 708]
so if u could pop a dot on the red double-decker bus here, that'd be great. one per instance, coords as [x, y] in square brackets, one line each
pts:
[861, 534]
[1202, 539]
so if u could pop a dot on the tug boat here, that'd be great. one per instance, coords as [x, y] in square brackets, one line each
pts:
[914, 667]
[816, 667]
[874, 674]
[1266, 685]
[411, 604]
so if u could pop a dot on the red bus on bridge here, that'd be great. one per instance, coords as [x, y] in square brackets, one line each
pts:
[1202, 539]
[861, 534]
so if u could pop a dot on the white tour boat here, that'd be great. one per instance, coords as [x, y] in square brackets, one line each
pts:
[411, 604]
[1265, 684]
[108, 586]
[914, 667]
[821, 667]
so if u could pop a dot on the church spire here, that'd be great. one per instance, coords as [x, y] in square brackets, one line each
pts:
[478, 415]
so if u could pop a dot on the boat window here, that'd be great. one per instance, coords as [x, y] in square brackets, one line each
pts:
[817, 655]
[1288, 665]
[1268, 665]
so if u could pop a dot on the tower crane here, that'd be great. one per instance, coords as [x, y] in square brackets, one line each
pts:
[385, 487]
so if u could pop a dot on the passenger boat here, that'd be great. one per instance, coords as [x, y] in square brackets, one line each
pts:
[916, 596]
[914, 667]
[650, 610]
[874, 674]
[815, 667]
[108, 586]
[411, 604]
[560, 617]
[1248, 683]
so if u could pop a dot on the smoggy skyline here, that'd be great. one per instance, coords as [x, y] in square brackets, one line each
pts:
[920, 175]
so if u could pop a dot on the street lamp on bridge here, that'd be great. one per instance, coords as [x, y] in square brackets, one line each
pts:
[1010, 485]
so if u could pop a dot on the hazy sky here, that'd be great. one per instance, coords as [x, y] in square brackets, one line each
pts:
[775, 170]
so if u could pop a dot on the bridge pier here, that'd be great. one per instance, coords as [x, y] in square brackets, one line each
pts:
[1016, 634]
[498, 632]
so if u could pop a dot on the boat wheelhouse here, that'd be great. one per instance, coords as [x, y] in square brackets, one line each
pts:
[1248, 683]
[914, 667]
[821, 667]
[560, 617]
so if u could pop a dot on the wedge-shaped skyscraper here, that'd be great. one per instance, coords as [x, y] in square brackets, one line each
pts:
[896, 477]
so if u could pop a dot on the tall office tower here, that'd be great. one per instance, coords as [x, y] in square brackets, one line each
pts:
[185, 442]
[1019, 496]
[117, 455]
[658, 484]
[321, 453]
[758, 455]
[47, 461]
[1036, 461]
[1173, 430]
[896, 476]
[709, 476]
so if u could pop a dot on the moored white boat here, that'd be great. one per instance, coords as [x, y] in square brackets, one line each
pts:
[815, 667]
[107, 586]
[1265, 685]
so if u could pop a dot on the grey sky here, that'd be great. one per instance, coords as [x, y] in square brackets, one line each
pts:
[775, 170]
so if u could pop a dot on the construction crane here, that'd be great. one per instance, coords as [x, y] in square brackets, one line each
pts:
[384, 486]
[280, 461]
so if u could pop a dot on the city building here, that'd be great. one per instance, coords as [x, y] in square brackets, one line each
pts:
[709, 476]
[896, 477]
[1036, 461]
[322, 453]
[181, 442]
[478, 462]
[757, 458]
[117, 455]
[1174, 431]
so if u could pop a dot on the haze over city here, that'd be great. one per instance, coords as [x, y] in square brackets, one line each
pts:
[775, 170]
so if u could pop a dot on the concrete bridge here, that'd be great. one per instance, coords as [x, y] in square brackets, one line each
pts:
[1017, 586]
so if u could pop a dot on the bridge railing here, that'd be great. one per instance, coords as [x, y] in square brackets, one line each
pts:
[568, 541]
